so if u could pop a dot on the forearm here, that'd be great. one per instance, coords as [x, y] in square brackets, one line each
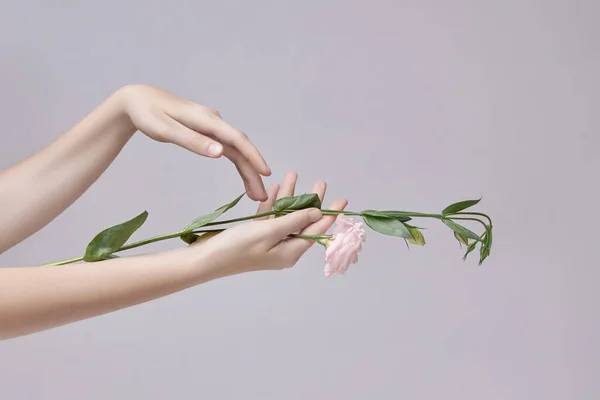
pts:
[38, 298]
[35, 191]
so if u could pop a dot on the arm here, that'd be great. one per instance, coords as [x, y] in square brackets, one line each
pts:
[37, 298]
[35, 191]
[38, 189]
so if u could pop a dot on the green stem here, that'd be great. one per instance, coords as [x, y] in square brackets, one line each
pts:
[64, 262]
[475, 213]
[228, 221]
[336, 212]
[422, 215]
[312, 237]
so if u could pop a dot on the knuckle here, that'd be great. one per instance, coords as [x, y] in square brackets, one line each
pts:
[288, 262]
[162, 132]
[214, 112]
[197, 142]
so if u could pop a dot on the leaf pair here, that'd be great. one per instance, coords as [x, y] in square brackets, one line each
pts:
[393, 223]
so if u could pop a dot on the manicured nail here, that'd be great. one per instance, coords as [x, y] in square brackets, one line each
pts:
[215, 149]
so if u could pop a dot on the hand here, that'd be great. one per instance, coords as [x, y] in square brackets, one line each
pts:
[265, 244]
[165, 117]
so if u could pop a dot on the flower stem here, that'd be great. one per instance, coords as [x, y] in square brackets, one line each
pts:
[159, 238]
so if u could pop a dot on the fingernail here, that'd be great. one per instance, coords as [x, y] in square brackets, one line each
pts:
[215, 149]
[314, 214]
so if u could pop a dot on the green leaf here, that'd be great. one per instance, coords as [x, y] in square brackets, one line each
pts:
[295, 203]
[387, 226]
[189, 238]
[486, 247]
[489, 237]
[470, 248]
[205, 219]
[399, 215]
[483, 254]
[461, 205]
[461, 238]
[112, 239]
[461, 229]
[419, 239]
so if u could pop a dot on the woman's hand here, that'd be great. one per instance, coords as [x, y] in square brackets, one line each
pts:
[265, 244]
[165, 117]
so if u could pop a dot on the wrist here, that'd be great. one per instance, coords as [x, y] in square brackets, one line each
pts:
[120, 101]
[201, 264]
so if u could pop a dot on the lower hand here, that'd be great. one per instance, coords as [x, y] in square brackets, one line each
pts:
[265, 244]
[165, 117]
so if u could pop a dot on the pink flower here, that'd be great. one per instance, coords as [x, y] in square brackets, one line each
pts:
[343, 248]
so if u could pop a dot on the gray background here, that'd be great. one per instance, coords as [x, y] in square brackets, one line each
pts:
[397, 105]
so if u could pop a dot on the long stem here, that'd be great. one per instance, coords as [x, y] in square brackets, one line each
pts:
[250, 217]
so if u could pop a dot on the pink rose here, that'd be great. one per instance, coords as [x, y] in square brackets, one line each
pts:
[343, 248]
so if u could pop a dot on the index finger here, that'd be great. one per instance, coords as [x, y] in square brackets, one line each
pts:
[209, 122]
[228, 134]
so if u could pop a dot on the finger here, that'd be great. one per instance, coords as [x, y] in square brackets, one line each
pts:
[267, 205]
[298, 246]
[208, 121]
[191, 140]
[283, 226]
[288, 185]
[252, 180]
[320, 188]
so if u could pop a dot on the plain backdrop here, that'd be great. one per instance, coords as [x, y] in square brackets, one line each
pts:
[397, 105]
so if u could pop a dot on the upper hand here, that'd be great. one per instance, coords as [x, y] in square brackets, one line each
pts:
[165, 117]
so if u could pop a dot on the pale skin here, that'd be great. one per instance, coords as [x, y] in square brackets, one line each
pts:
[37, 190]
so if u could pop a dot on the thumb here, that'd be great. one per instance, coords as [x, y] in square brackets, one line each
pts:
[294, 222]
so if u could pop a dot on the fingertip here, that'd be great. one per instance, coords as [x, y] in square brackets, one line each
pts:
[314, 214]
[215, 150]
[266, 171]
[273, 190]
[292, 175]
[262, 197]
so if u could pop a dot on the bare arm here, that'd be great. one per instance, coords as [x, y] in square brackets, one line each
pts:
[38, 298]
[37, 190]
